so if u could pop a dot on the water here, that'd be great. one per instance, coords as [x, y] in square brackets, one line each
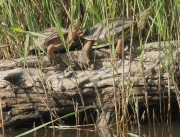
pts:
[147, 130]
[161, 130]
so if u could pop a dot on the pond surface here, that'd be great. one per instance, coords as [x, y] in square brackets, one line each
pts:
[147, 130]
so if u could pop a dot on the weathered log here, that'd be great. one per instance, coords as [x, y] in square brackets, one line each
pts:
[23, 88]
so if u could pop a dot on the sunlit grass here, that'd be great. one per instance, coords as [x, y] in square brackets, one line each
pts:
[49, 13]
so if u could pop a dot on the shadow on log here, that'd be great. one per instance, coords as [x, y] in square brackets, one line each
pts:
[23, 89]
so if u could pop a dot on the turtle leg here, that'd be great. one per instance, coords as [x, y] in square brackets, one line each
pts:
[84, 59]
[50, 52]
[118, 50]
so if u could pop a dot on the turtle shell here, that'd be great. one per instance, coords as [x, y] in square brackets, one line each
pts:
[101, 32]
[47, 32]
[51, 33]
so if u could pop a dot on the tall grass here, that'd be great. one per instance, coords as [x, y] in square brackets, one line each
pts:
[35, 16]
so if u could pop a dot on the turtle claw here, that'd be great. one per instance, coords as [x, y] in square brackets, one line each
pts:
[83, 60]
[82, 66]
[55, 62]
[86, 66]
[118, 55]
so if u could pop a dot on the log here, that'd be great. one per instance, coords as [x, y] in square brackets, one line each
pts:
[30, 89]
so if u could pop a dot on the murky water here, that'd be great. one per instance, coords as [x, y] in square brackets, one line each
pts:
[148, 130]
[161, 130]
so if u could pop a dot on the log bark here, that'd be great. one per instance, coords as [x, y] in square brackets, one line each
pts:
[31, 88]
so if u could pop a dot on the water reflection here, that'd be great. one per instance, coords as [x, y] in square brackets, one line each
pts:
[147, 130]
[161, 130]
[56, 133]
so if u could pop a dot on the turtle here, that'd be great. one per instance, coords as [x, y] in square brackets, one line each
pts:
[52, 41]
[41, 39]
[100, 33]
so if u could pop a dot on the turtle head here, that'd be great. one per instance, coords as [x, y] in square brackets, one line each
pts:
[144, 17]
[74, 28]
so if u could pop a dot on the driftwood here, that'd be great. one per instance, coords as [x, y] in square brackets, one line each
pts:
[23, 85]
